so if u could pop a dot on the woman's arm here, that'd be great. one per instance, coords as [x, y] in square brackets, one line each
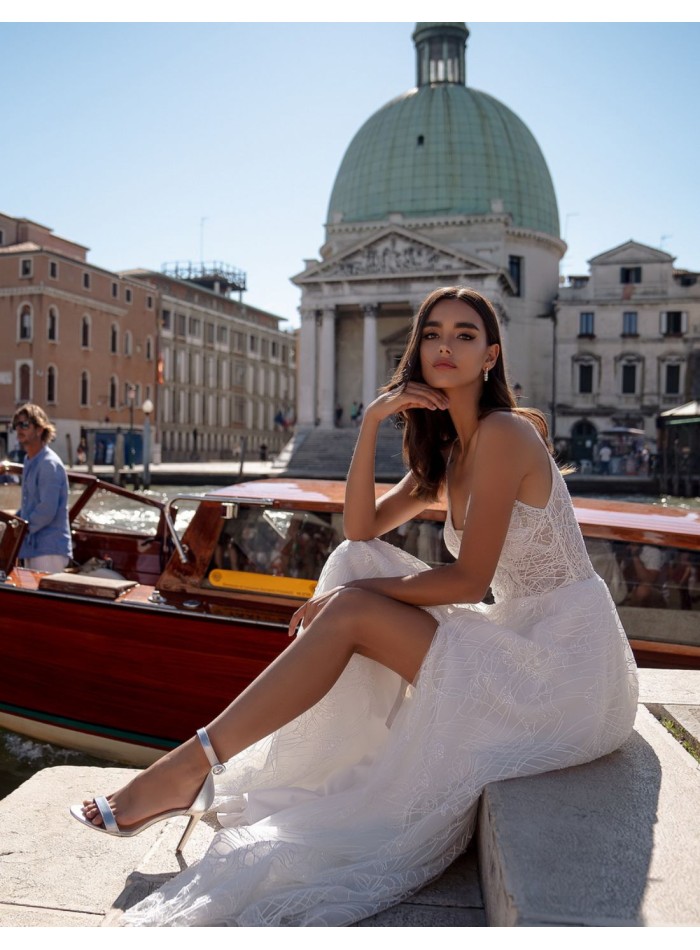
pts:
[363, 516]
[504, 455]
[500, 463]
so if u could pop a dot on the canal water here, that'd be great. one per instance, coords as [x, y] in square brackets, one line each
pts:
[20, 758]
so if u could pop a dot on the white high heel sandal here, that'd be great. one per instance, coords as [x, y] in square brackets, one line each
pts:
[202, 802]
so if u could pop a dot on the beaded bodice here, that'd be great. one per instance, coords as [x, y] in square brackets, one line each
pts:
[543, 548]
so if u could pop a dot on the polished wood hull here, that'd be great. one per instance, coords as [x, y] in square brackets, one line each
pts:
[129, 674]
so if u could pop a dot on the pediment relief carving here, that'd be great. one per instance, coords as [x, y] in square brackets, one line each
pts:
[396, 253]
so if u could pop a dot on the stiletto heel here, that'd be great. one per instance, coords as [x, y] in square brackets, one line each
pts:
[202, 802]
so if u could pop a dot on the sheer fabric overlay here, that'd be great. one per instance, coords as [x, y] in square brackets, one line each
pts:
[372, 793]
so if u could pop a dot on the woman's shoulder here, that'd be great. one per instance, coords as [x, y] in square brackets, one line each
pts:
[507, 424]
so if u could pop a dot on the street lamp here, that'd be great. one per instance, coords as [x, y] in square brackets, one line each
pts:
[130, 398]
[147, 409]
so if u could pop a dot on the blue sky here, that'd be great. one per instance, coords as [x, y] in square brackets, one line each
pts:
[124, 136]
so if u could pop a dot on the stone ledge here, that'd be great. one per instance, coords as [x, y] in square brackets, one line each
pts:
[615, 842]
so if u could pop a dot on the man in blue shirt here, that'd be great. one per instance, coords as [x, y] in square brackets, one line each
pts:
[47, 544]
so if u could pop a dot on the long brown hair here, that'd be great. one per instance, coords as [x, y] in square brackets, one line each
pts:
[427, 433]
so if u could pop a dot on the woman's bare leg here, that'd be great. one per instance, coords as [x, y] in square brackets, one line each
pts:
[353, 621]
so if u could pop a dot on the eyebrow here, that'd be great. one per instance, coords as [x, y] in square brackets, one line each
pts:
[461, 326]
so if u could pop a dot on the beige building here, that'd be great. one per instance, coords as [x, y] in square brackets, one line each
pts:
[443, 185]
[628, 345]
[75, 338]
[227, 373]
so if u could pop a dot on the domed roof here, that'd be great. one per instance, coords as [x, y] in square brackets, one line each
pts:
[444, 149]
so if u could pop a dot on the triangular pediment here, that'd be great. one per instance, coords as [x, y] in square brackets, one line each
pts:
[632, 252]
[395, 252]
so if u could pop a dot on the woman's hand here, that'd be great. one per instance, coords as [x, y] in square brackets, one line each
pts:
[310, 610]
[412, 396]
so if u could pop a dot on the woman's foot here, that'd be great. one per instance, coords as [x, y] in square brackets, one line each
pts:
[170, 783]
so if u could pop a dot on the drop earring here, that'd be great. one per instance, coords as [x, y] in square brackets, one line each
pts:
[486, 374]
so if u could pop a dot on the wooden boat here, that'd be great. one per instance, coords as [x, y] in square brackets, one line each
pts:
[129, 665]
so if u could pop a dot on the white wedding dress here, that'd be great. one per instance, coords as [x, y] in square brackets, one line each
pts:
[373, 792]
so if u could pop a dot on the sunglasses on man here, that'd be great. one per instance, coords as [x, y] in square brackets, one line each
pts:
[21, 425]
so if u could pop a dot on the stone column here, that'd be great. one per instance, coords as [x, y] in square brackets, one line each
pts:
[306, 395]
[326, 370]
[369, 354]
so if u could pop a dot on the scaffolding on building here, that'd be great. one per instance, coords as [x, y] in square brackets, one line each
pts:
[216, 276]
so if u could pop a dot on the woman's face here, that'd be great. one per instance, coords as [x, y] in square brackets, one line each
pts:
[454, 349]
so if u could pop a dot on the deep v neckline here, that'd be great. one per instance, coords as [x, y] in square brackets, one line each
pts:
[472, 443]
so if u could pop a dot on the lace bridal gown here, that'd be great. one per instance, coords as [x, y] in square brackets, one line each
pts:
[372, 793]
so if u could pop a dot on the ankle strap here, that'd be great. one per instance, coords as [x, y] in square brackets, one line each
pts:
[216, 766]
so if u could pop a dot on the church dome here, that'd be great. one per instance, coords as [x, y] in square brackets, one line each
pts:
[444, 149]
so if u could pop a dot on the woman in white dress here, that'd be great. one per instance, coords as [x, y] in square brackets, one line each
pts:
[354, 763]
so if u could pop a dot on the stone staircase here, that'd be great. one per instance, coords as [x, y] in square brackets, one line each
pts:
[326, 453]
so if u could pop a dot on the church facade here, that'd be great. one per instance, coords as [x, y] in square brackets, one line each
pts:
[443, 185]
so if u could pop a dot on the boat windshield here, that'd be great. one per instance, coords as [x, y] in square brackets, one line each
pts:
[293, 544]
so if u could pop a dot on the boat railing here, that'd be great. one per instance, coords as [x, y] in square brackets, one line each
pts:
[230, 505]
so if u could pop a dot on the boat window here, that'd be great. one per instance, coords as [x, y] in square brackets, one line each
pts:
[646, 578]
[295, 545]
[422, 539]
[266, 541]
[107, 511]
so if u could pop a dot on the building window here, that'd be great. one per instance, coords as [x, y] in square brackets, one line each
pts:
[515, 269]
[127, 295]
[24, 328]
[629, 379]
[25, 267]
[86, 281]
[84, 388]
[114, 339]
[166, 320]
[115, 289]
[253, 343]
[629, 323]
[674, 323]
[585, 378]
[128, 344]
[586, 324]
[672, 382]
[222, 335]
[51, 384]
[53, 270]
[2, 237]
[630, 275]
[194, 327]
[113, 392]
[149, 347]
[24, 376]
[52, 325]
[210, 333]
[181, 324]
[85, 332]
[149, 302]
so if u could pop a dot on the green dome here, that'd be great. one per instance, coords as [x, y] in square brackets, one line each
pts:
[444, 149]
